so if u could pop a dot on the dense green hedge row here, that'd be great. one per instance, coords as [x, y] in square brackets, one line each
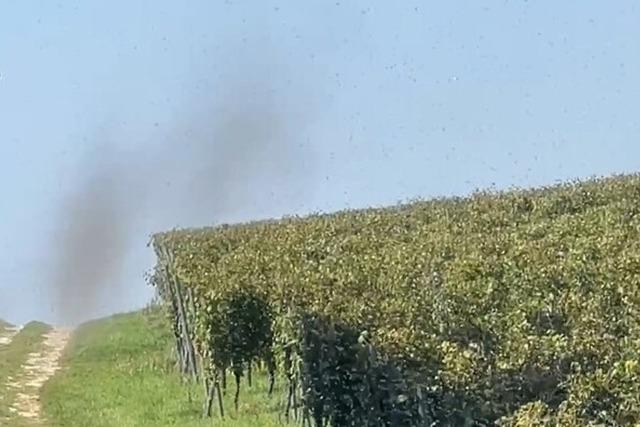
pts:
[520, 307]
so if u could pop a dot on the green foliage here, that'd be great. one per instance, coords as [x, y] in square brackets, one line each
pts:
[502, 305]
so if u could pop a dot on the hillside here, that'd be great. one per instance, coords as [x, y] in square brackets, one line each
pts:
[4, 324]
[518, 308]
[511, 307]
[119, 371]
[17, 348]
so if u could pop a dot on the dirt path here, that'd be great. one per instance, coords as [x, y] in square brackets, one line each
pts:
[7, 334]
[37, 369]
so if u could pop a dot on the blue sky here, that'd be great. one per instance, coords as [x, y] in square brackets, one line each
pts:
[363, 103]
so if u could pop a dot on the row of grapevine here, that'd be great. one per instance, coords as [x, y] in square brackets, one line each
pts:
[513, 308]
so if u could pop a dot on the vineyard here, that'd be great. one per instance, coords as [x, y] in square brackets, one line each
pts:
[515, 308]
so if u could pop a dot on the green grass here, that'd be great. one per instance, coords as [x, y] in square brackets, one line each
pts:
[119, 372]
[12, 357]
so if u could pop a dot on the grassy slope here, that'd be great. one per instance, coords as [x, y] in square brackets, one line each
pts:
[118, 372]
[12, 356]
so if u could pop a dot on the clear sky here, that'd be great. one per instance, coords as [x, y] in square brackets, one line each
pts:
[233, 110]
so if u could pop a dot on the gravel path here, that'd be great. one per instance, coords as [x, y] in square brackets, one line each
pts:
[37, 369]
